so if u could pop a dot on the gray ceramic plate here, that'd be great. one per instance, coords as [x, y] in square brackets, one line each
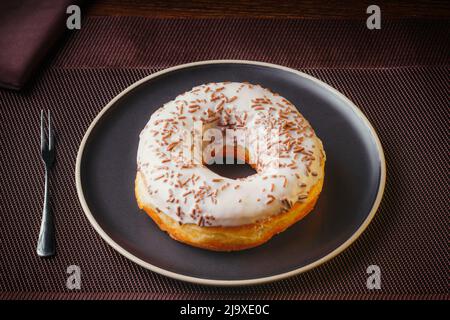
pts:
[354, 179]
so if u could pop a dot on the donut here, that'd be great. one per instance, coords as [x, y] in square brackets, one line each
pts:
[232, 120]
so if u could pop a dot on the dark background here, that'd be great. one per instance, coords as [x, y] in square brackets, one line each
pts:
[268, 8]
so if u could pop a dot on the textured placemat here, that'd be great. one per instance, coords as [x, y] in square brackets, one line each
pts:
[398, 77]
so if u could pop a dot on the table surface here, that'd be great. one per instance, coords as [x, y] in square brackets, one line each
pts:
[311, 9]
[397, 77]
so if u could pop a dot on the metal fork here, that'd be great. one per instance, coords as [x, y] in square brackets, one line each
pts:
[46, 243]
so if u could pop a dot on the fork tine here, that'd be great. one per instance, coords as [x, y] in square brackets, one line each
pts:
[42, 130]
[50, 133]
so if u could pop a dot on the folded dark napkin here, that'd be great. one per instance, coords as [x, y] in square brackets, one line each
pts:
[28, 30]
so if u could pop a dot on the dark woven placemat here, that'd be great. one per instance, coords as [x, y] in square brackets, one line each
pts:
[398, 76]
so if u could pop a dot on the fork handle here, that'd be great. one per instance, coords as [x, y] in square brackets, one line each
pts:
[46, 243]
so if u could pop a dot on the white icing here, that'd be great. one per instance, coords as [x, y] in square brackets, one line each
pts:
[175, 187]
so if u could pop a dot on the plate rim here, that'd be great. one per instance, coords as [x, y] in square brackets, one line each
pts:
[253, 281]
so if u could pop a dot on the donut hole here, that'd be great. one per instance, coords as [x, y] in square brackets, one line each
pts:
[231, 163]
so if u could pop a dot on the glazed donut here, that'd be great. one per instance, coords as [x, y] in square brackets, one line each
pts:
[198, 207]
